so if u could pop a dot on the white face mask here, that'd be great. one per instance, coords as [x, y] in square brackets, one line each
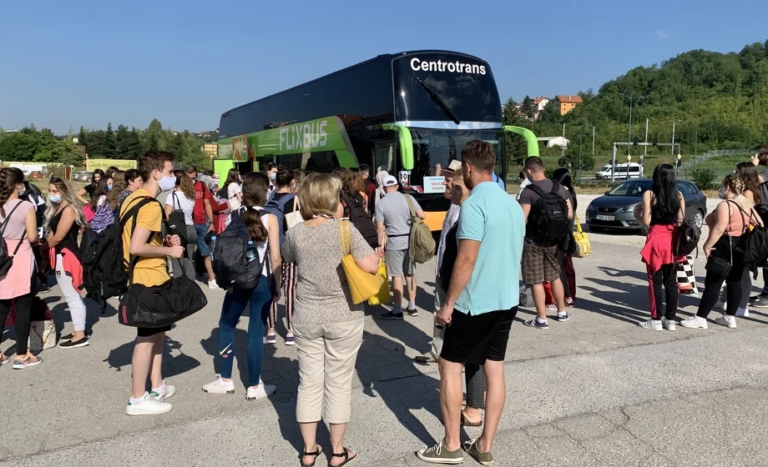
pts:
[167, 183]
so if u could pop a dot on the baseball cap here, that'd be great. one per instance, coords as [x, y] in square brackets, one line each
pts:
[454, 165]
[389, 180]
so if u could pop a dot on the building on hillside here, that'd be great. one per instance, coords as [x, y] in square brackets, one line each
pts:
[211, 150]
[538, 106]
[552, 141]
[566, 103]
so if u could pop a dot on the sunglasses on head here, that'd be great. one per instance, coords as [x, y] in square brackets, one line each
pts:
[56, 180]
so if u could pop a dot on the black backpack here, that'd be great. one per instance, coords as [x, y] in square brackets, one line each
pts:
[104, 268]
[360, 218]
[6, 260]
[687, 239]
[549, 216]
[230, 263]
[753, 244]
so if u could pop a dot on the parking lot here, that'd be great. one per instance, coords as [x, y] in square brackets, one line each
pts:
[597, 390]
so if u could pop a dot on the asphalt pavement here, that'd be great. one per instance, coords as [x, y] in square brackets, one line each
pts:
[594, 391]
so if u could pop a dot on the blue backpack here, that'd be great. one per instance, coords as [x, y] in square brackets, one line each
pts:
[277, 207]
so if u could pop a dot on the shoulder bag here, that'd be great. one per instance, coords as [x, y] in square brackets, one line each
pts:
[362, 285]
[294, 218]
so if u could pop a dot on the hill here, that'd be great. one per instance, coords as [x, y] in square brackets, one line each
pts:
[715, 100]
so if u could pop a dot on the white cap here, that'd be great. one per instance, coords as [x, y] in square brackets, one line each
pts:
[454, 165]
[389, 180]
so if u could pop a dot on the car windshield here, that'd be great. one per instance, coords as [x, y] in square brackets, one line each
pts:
[634, 188]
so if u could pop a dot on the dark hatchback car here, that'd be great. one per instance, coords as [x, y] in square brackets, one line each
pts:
[616, 209]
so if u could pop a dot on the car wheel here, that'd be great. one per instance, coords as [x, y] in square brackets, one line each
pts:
[698, 219]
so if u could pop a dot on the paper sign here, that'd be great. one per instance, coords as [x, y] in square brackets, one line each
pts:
[434, 184]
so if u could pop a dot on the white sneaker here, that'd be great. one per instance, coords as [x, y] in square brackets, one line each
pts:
[219, 386]
[694, 322]
[260, 392]
[727, 321]
[168, 393]
[669, 324]
[743, 312]
[148, 406]
[652, 324]
[213, 285]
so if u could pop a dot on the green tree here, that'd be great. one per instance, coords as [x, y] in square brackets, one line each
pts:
[528, 107]
[110, 143]
[153, 136]
[121, 142]
[82, 137]
[133, 144]
[96, 144]
[515, 146]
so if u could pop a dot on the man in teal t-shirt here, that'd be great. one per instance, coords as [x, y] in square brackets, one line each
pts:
[481, 302]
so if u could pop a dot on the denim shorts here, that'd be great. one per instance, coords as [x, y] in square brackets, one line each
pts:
[202, 245]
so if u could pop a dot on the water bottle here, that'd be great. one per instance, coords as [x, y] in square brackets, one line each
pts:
[250, 253]
[213, 246]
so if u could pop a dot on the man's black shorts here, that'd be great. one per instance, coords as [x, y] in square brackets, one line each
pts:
[475, 339]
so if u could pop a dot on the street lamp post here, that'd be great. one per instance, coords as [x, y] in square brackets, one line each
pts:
[632, 96]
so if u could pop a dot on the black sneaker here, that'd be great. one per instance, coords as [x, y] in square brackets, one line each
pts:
[66, 338]
[392, 316]
[74, 344]
[760, 302]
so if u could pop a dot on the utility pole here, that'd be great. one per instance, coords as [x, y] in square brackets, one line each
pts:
[673, 139]
[562, 146]
[645, 149]
[632, 96]
[613, 162]
[593, 141]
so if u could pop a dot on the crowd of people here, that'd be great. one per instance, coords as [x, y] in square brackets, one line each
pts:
[301, 227]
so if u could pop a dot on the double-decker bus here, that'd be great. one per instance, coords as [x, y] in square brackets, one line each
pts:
[409, 114]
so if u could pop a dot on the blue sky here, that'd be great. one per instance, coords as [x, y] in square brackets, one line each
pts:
[72, 63]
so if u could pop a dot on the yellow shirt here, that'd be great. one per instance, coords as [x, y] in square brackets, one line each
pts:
[148, 271]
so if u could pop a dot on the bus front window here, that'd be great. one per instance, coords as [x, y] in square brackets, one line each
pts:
[434, 150]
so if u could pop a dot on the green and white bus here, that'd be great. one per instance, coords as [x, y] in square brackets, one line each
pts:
[409, 114]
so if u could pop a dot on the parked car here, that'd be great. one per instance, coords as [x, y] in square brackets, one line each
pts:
[616, 209]
[35, 174]
[623, 171]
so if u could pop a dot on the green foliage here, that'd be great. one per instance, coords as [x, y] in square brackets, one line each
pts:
[716, 101]
[110, 143]
[515, 146]
[30, 145]
[703, 178]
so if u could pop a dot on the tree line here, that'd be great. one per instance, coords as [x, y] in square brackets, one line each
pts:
[32, 145]
[714, 100]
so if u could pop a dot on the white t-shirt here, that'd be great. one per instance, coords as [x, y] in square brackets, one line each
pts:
[179, 200]
[232, 191]
[261, 247]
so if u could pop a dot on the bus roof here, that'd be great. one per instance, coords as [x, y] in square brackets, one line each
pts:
[388, 57]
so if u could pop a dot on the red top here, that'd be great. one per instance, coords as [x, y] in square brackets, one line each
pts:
[201, 193]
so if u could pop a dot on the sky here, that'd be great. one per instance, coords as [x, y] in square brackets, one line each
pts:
[70, 63]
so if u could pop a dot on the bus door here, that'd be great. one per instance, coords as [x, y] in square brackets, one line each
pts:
[383, 157]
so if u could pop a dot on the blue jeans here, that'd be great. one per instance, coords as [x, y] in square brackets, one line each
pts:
[202, 231]
[260, 300]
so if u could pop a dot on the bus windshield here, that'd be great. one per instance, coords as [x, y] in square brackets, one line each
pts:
[440, 147]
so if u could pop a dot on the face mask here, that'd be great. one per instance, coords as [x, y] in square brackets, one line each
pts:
[55, 199]
[22, 191]
[109, 187]
[167, 183]
[273, 175]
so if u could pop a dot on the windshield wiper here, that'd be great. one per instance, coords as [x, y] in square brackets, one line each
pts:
[440, 103]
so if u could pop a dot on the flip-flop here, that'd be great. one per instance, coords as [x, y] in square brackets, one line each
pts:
[318, 451]
[346, 457]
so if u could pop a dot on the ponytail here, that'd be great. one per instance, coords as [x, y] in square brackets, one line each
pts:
[256, 228]
[9, 178]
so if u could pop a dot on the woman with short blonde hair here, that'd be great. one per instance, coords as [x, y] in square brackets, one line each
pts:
[327, 326]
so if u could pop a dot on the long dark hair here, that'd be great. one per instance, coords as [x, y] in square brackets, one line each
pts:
[748, 174]
[255, 187]
[563, 177]
[101, 175]
[101, 190]
[9, 178]
[233, 176]
[665, 190]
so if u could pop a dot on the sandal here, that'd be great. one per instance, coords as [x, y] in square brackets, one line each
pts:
[345, 456]
[318, 451]
[466, 422]
[3, 359]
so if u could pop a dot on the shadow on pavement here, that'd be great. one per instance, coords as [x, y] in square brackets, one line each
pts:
[173, 365]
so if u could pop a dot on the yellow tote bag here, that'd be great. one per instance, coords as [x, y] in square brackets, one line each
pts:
[362, 285]
[583, 248]
[383, 295]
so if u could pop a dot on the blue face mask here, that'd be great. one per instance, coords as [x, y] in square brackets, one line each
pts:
[109, 187]
[55, 199]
